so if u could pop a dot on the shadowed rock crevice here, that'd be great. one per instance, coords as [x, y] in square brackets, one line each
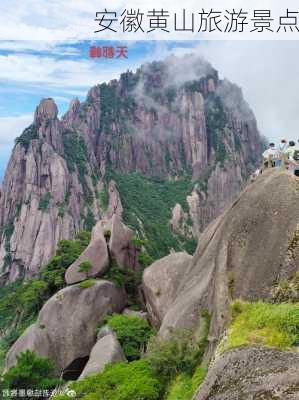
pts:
[74, 369]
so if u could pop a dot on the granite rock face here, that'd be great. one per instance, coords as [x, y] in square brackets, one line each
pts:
[252, 373]
[160, 283]
[158, 122]
[96, 254]
[107, 350]
[110, 243]
[242, 254]
[65, 330]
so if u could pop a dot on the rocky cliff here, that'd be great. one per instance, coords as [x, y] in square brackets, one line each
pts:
[250, 253]
[224, 298]
[159, 122]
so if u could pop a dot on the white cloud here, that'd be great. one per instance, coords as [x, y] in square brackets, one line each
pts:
[36, 69]
[55, 47]
[268, 74]
[11, 127]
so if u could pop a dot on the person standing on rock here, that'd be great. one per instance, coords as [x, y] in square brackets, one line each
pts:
[280, 162]
[269, 155]
[291, 150]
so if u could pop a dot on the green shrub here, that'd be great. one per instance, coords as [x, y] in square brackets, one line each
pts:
[90, 221]
[126, 278]
[216, 121]
[179, 353]
[104, 198]
[32, 295]
[29, 134]
[67, 252]
[85, 267]
[184, 386]
[31, 372]
[87, 283]
[116, 275]
[121, 381]
[75, 153]
[132, 332]
[44, 201]
[272, 325]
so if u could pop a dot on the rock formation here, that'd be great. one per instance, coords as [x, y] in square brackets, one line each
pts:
[110, 241]
[107, 350]
[152, 122]
[65, 331]
[160, 283]
[242, 254]
[96, 254]
[252, 373]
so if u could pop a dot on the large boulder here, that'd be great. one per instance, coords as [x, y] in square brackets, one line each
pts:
[96, 253]
[242, 254]
[107, 350]
[65, 330]
[160, 283]
[252, 373]
[121, 247]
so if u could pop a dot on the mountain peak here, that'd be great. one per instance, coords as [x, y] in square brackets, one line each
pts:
[47, 109]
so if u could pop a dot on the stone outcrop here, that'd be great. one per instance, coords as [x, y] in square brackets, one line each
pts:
[65, 330]
[242, 254]
[179, 221]
[96, 254]
[43, 200]
[122, 250]
[107, 350]
[160, 283]
[252, 373]
[110, 242]
[148, 122]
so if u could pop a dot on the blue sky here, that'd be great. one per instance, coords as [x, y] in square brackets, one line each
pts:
[31, 70]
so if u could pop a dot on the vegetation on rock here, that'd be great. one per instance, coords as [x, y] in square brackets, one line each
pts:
[121, 381]
[132, 332]
[179, 353]
[29, 134]
[87, 283]
[44, 201]
[75, 154]
[85, 267]
[20, 302]
[30, 372]
[184, 386]
[265, 324]
[216, 121]
[147, 209]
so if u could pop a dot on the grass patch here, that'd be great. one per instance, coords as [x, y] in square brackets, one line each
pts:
[87, 283]
[271, 325]
[184, 386]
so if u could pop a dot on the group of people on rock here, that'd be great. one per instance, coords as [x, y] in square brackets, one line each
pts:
[285, 155]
